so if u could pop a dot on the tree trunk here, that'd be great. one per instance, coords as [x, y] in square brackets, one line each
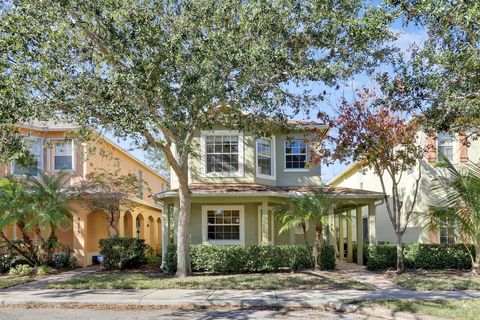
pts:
[318, 245]
[400, 258]
[305, 236]
[184, 268]
[16, 248]
[28, 243]
[476, 262]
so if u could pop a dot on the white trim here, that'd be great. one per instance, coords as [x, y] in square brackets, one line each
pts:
[205, 240]
[285, 169]
[40, 164]
[241, 153]
[273, 159]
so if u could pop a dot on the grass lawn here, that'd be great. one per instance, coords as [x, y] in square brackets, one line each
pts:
[438, 281]
[449, 309]
[158, 280]
[7, 281]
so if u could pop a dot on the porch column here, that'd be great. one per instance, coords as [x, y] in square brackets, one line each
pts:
[359, 225]
[341, 252]
[80, 229]
[265, 224]
[349, 237]
[176, 211]
[121, 224]
[331, 229]
[372, 239]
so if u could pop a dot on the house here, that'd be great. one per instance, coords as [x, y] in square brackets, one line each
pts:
[55, 150]
[238, 177]
[453, 146]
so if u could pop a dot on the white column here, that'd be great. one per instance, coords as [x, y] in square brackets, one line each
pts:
[349, 237]
[265, 224]
[359, 236]
[331, 230]
[164, 233]
[341, 255]
[372, 239]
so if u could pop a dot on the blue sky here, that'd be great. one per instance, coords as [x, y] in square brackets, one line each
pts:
[408, 36]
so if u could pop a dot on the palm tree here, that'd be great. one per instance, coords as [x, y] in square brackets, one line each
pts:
[313, 208]
[458, 202]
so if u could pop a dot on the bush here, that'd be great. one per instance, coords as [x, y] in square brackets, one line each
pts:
[421, 256]
[21, 270]
[122, 253]
[251, 258]
[43, 270]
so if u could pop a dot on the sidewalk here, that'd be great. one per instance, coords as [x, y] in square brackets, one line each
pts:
[218, 298]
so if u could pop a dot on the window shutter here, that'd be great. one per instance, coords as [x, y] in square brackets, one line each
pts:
[463, 147]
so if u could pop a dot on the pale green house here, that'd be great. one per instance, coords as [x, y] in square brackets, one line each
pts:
[237, 178]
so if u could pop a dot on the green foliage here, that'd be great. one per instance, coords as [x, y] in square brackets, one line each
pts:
[22, 270]
[122, 253]
[421, 256]
[251, 258]
[154, 259]
[42, 270]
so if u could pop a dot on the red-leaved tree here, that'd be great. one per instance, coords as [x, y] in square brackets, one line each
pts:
[368, 132]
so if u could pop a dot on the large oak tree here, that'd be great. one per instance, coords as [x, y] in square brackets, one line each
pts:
[159, 71]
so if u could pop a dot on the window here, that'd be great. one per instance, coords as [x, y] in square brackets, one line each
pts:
[63, 155]
[266, 158]
[222, 153]
[295, 155]
[223, 225]
[447, 232]
[445, 145]
[36, 151]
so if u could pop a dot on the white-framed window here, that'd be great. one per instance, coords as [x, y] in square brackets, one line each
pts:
[447, 231]
[223, 224]
[63, 155]
[295, 155]
[36, 151]
[445, 144]
[265, 158]
[222, 153]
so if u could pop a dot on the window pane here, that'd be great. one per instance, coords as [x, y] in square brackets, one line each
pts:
[223, 225]
[63, 163]
[222, 154]
[63, 156]
[295, 154]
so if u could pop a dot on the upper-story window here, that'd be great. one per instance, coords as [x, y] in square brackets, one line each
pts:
[445, 144]
[447, 231]
[63, 155]
[222, 153]
[265, 158]
[295, 155]
[36, 151]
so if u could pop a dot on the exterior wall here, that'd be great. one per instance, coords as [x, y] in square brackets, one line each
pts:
[310, 176]
[89, 227]
[367, 180]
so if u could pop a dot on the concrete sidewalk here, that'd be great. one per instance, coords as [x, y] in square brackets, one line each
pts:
[218, 298]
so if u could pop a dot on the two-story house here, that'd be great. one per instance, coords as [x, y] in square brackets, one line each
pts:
[55, 150]
[238, 177]
[454, 148]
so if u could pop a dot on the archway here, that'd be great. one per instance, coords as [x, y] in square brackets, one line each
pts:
[159, 232]
[97, 229]
[151, 227]
[140, 227]
[128, 224]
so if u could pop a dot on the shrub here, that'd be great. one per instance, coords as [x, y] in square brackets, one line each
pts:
[122, 253]
[251, 258]
[42, 270]
[421, 255]
[21, 270]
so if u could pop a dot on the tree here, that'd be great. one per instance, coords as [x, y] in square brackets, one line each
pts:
[458, 203]
[366, 131]
[36, 205]
[155, 159]
[110, 193]
[307, 208]
[160, 71]
[440, 81]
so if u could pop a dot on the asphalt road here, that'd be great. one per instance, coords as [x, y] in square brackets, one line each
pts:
[81, 314]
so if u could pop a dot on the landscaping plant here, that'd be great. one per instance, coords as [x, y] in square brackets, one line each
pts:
[123, 253]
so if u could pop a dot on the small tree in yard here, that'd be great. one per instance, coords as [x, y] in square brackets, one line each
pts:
[110, 193]
[312, 208]
[367, 132]
[458, 204]
[157, 71]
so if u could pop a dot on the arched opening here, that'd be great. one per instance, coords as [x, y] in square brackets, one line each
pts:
[159, 233]
[139, 227]
[65, 233]
[151, 227]
[128, 224]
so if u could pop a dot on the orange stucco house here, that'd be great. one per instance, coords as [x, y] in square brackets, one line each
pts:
[54, 151]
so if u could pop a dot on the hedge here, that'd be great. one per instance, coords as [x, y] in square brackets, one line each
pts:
[420, 256]
[250, 258]
[122, 253]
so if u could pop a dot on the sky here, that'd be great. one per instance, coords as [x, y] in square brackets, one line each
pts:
[407, 36]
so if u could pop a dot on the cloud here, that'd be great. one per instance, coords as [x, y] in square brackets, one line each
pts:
[409, 38]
